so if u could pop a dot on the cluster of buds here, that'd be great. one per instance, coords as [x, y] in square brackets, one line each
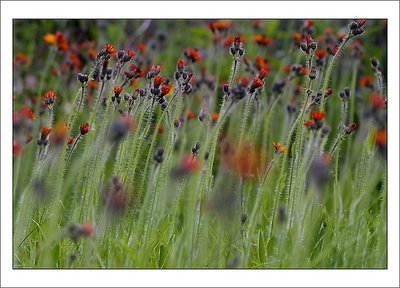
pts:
[237, 92]
[209, 81]
[77, 230]
[158, 155]
[101, 66]
[183, 77]
[349, 129]
[316, 122]
[154, 71]
[125, 56]
[313, 73]
[133, 72]
[130, 99]
[308, 46]
[298, 70]
[356, 27]
[237, 49]
[316, 98]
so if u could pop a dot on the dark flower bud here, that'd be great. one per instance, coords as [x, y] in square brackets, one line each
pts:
[164, 105]
[291, 108]
[206, 155]
[226, 88]
[177, 123]
[241, 52]
[313, 45]
[243, 218]
[342, 94]
[374, 62]
[303, 46]
[232, 51]
[347, 91]
[353, 25]
[325, 130]
[83, 78]
[358, 31]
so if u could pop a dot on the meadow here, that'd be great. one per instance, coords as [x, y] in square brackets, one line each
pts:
[200, 143]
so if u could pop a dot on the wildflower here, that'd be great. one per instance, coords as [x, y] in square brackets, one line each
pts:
[366, 81]
[279, 147]
[49, 98]
[117, 90]
[193, 55]
[158, 80]
[50, 38]
[76, 230]
[165, 90]
[27, 113]
[308, 123]
[257, 83]
[28, 138]
[262, 73]
[88, 229]
[180, 64]
[220, 26]
[317, 115]
[21, 57]
[214, 116]
[380, 137]
[190, 114]
[84, 128]
[237, 47]
[110, 48]
[313, 72]
[328, 91]
[262, 40]
[62, 42]
[320, 53]
[71, 140]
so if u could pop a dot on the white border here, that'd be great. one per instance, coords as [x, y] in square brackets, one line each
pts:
[177, 9]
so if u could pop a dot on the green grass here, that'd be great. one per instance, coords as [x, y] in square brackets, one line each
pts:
[295, 217]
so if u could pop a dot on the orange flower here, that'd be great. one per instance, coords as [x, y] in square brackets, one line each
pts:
[93, 84]
[62, 42]
[320, 53]
[130, 53]
[21, 57]
[161, 129]
[193, 54]
[50, 38]
[141, 47]
[190, 114]
[317, 115]
[84, 128]
[118, 89]
[92, 53]
[87, 229]
[214, 116]
[296, 36]
[45, 131]
[365, 81]
[50, 97]
[279, 147]
[110, 48]
[308, 123]
[381, 137]
[262, 39]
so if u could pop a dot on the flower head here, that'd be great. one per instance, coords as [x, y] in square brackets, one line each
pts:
[45, 132]
[279, 147]
[110, 48]
[84, 128]
[317, 115]
[118, 90]
[49, 98]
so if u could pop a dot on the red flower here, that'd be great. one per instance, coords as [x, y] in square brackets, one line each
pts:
[84, 128]
[317, 115]
[190, 114]
[193, 54]
[71, 140]
[45, 131]
[353, 126]
[190, 163]
[180, 63]
[156, 67]
[165, 89]
[118, 90]
[50, 97]
[361, 22]
[365, 81]
[62, 42]
[17, 148]
[263, 73]
[110, 48]
[328, 91]
[378, 101]
[26, 112]
[257, 82]
[214, 116]
[320, 53]
[87, 229]
[158, 80]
